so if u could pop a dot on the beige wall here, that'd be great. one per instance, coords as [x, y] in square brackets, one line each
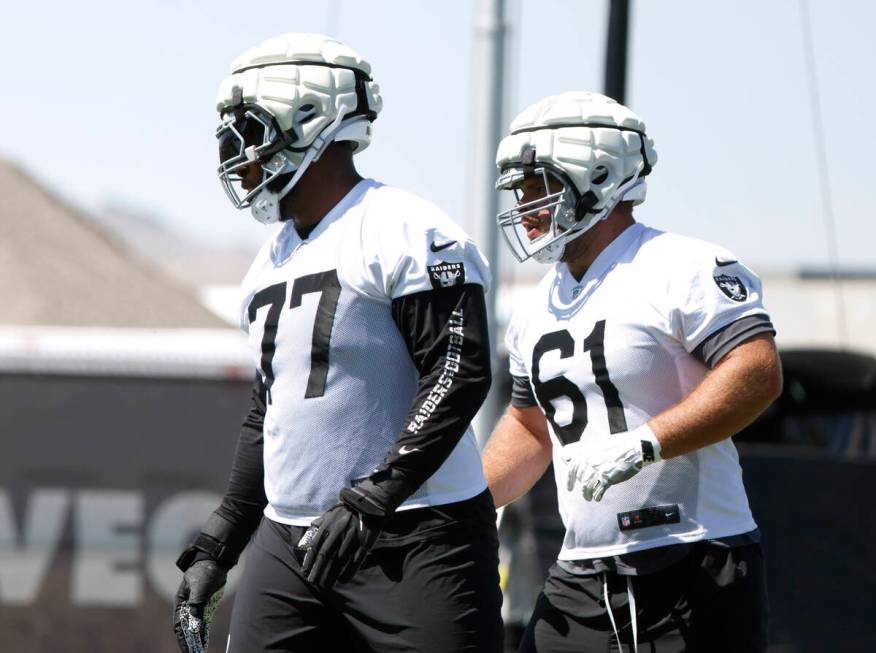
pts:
[805, 312]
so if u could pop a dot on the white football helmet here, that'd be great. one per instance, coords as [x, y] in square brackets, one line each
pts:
[285, 101]
[594, 147]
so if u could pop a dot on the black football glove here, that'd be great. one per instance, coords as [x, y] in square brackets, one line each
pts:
[202, 586]
[205, 565]
[338, 541]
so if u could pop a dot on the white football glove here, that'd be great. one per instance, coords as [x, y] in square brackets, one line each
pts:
[599, 463]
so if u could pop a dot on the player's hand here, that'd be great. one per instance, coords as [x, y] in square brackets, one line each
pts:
[337, 542]
[196, 600]
[599, 463]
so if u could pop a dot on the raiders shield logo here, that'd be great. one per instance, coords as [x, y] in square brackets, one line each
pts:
[445, 275]
[732, 287]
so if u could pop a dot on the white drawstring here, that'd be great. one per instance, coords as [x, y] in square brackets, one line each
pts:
[608, 607]
[632, 601]
[631, 598]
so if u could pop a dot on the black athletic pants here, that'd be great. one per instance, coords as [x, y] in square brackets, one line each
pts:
[430, 584]
[712, 601]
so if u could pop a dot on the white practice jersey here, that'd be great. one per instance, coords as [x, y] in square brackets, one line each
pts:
[605, 354]
[339, 376]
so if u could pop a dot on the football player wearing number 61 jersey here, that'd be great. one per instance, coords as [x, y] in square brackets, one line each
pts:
[635, 359]
[356, 469]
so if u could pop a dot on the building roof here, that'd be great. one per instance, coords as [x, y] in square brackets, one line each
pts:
[58, 269]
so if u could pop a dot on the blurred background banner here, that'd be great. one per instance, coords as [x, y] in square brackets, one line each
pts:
[104, 483]
[124, 378]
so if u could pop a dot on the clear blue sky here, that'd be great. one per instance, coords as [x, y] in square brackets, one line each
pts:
[113, 101]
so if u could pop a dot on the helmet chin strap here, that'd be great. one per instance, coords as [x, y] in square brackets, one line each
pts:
[634, 190]
[266, 206]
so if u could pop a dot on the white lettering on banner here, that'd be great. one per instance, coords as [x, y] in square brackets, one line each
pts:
[109, 541]
[103, 572]
[23, 565]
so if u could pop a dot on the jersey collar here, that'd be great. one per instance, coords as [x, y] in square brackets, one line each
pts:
[571, 290]
[347, 202]
[287, 240]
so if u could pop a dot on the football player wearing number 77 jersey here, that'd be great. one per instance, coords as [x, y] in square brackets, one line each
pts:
[356, 469]
[637, 357]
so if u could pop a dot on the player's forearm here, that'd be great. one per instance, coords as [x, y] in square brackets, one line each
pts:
[740, 387]
[244, 499]
[514, 459]
[229, 528]
[447, 336]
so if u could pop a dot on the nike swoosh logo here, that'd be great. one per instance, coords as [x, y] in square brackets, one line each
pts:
[438, 248]
[721, 263]
[404, 451]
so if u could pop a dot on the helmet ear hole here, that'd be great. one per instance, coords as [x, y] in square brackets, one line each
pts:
[305, 114]
[599, 175]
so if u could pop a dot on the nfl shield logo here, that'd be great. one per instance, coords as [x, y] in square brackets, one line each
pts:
[625, 520]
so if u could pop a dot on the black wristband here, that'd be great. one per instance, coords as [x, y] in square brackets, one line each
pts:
[363, 504]
[220, 540]
[387, 488]
[186, 559]
[212, 549]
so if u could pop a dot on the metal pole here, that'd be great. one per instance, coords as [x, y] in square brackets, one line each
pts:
[823, 175]
[616, 50]
[489, 88]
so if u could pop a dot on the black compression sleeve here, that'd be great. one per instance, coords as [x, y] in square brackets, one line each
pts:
[718, 344]
[245, 499]
[522, 395]
[447, 336]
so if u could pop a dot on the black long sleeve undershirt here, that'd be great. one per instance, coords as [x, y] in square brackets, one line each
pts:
[244, 500]
[447, 335]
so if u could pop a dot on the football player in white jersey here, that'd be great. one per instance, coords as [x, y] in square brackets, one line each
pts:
[356, 470]
[635, 359]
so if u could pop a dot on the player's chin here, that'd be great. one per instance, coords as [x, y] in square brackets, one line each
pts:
[287, 202]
